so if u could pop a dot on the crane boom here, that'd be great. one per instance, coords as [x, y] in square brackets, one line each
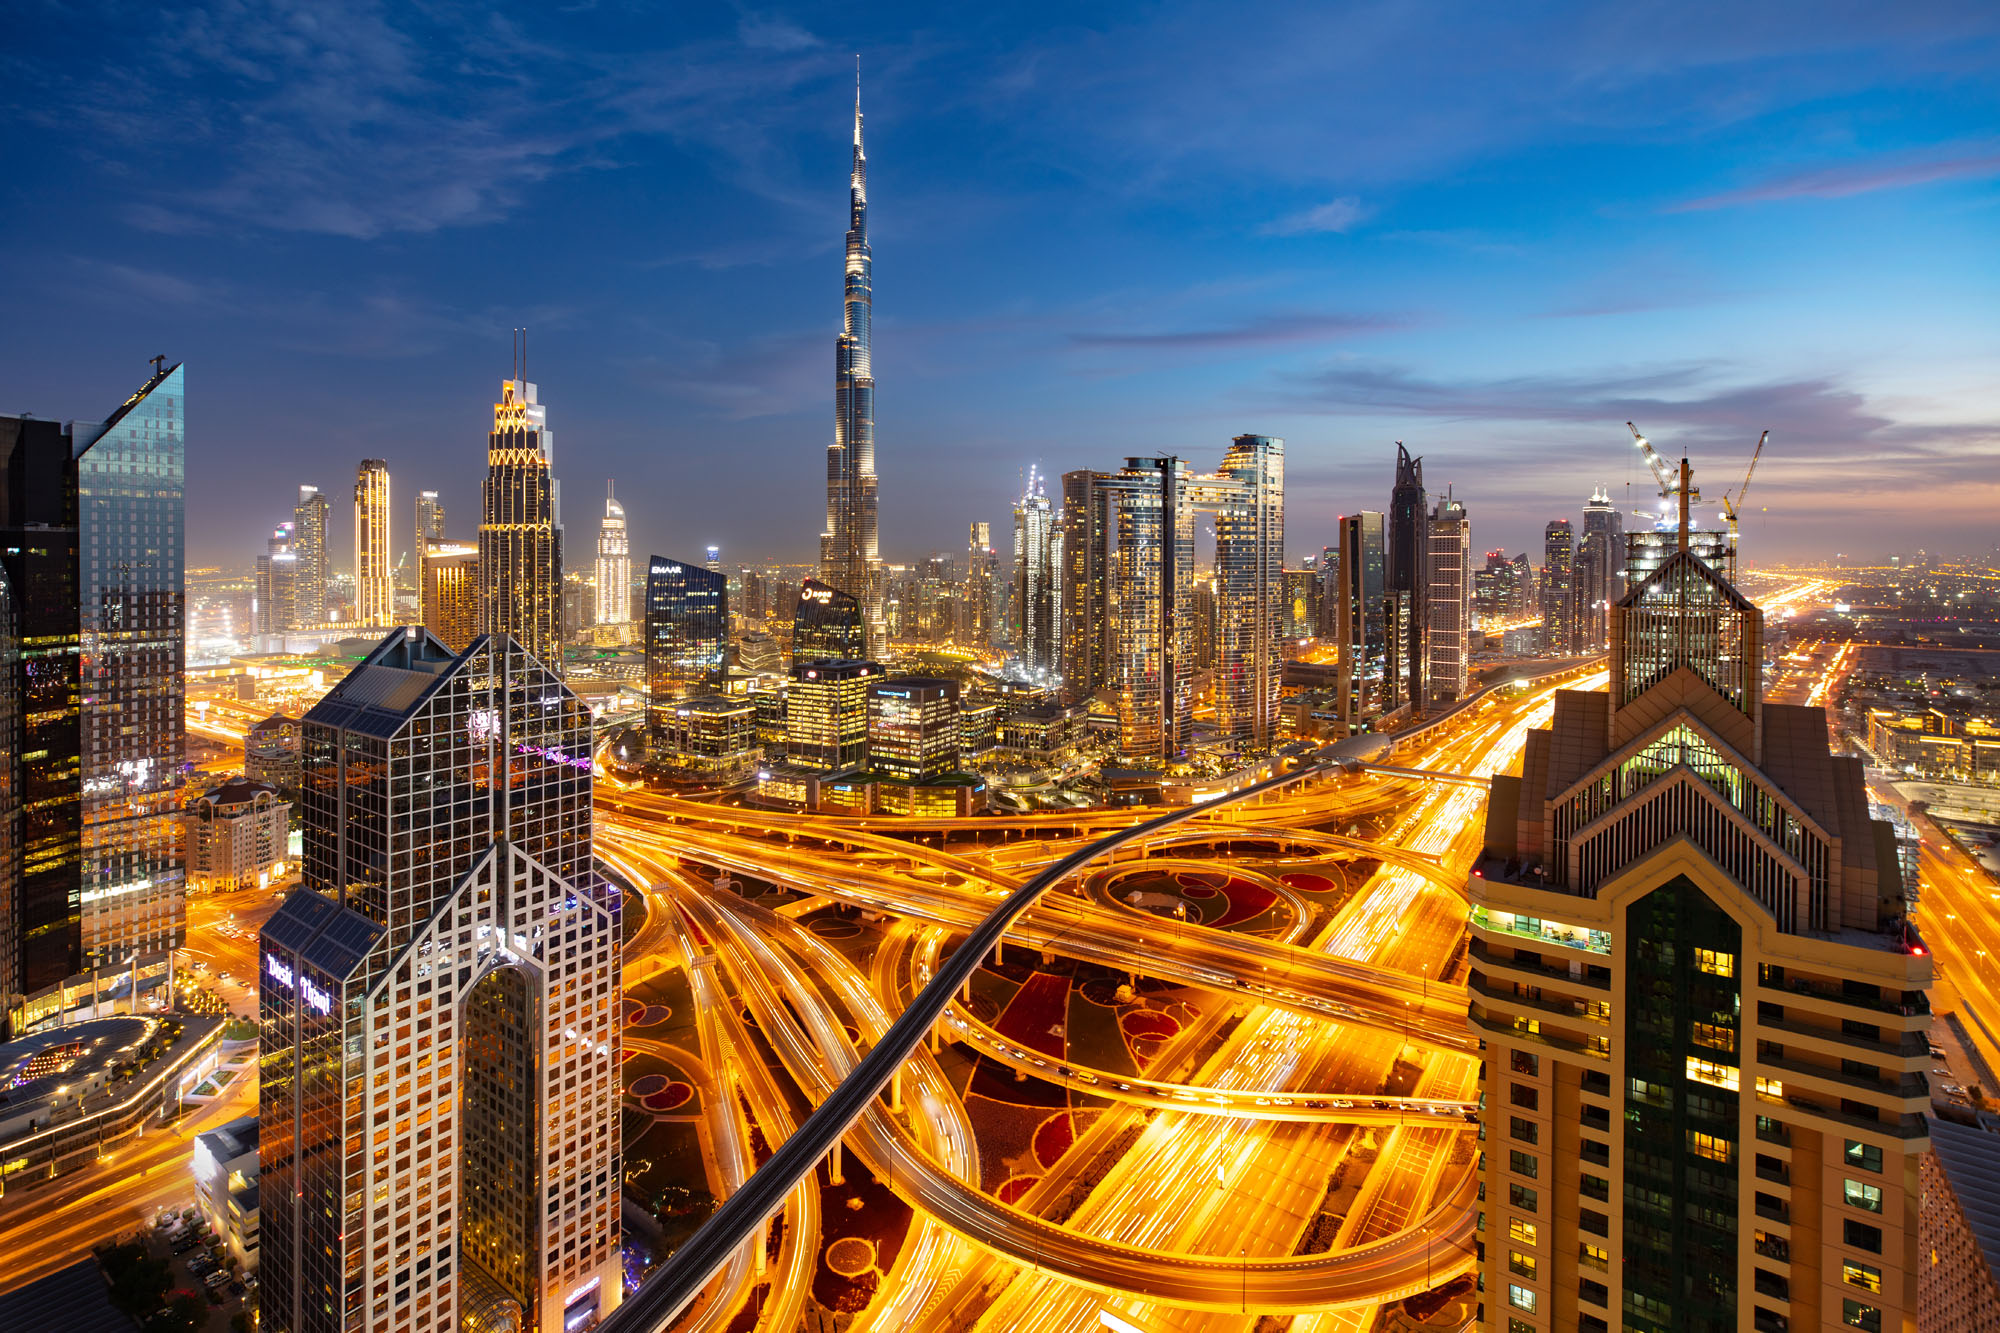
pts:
[1729, 504]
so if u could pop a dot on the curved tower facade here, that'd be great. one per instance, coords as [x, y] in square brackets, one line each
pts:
[850, 554]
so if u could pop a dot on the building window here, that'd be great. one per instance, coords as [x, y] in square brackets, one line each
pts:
[1712, 1146]
[1522, 1232]
[1521, 1298]
[1855, 1314]
[1519, 1325]
[1861, 1236]
[1523, 1096]
[1525, 1062]
[1523, 1265]
[1864, 1196]
[1861, 1275]
[1715, 962]
[1524, 1164]
[1524, 1130]
[1527, 1200]
[1715, 1075]
[1864, 1156]
[1714, 1036]
[1594, 1256]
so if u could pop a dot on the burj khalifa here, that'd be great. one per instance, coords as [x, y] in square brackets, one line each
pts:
[850, 553]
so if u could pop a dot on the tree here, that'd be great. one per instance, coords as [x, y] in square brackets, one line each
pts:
[138, 1281]
[241, 1322]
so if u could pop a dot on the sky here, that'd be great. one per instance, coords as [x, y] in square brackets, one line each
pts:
[1494, 232]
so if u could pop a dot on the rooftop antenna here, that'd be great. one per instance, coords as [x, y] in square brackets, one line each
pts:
[159, 366]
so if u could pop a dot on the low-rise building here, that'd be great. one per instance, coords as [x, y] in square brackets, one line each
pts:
[75, 1093]
[1041, 734]
[237, 836]
[224, 1163]
[1932, 743]
[711, 738]
[271, 752]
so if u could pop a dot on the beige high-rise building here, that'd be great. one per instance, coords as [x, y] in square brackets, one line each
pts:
[614, 566]
[1701, 1004]
[374, 589]
[450, 591]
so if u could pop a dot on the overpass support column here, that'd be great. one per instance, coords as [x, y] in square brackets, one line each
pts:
[833, 1164]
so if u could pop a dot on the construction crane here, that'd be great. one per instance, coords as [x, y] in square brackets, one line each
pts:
[1729, 505]
[1671, 480]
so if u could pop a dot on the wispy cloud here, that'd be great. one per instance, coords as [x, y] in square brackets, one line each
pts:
[1850, 179]
[769, 32]
[1264, 331]
[1336, 215]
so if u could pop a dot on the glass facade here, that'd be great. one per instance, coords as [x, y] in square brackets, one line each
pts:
[687, 632]
[1684, 1006]
[1248, 499]
[1685, 614]
[827, 626]
[131, 483]
[1360, 634]
[1406, 563]
[1038, 563]
[38, 547]
[1558, 588]
[439, 1005]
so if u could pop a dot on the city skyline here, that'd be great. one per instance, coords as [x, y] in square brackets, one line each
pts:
[1412, 280]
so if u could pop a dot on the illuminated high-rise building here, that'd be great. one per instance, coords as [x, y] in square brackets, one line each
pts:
[438, 1074]
[520, 532]
[315, 557]
[850, 555]
[1404, 566]
[1360, 630]
[913, 731]
[450, 592]
[1089, 563]
[429, 522]
[1448, 608]
[827, 625]
[1247, 496]
[11, 864]
[92, 539]
[277, 584]
[687, 633]
[374, 587]
[614, 565]
[826, 714]
[1037, 579]
[983, 587]
[1155, 501]
[1558, 602]
[1701, 1007]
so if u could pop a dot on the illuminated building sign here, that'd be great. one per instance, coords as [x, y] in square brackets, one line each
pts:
[553, 755]
[482, 724]
[281, 972]
[816, 594]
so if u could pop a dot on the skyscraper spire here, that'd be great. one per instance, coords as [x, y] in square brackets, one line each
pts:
[850, 556]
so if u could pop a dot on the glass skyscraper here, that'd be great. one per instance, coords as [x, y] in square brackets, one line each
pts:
[1448, 601]
[91, 539]
[1038, 563]
[520, 531]
[687, 633]
[850, 554]
[827, 625]
[439, 1139]
[1406, 549]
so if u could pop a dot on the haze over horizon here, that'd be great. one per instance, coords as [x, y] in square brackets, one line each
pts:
[1496, 237]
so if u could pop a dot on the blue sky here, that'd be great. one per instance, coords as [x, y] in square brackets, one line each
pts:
[1496, 232]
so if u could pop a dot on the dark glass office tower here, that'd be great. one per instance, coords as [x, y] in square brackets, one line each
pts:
[687, 632]
[1359, 628]
[10, 805]
[828, 626]
[520, 535]
[1089, 563]
[92, 543]
[44, 924]
[1408, 538]
[439, 1139]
